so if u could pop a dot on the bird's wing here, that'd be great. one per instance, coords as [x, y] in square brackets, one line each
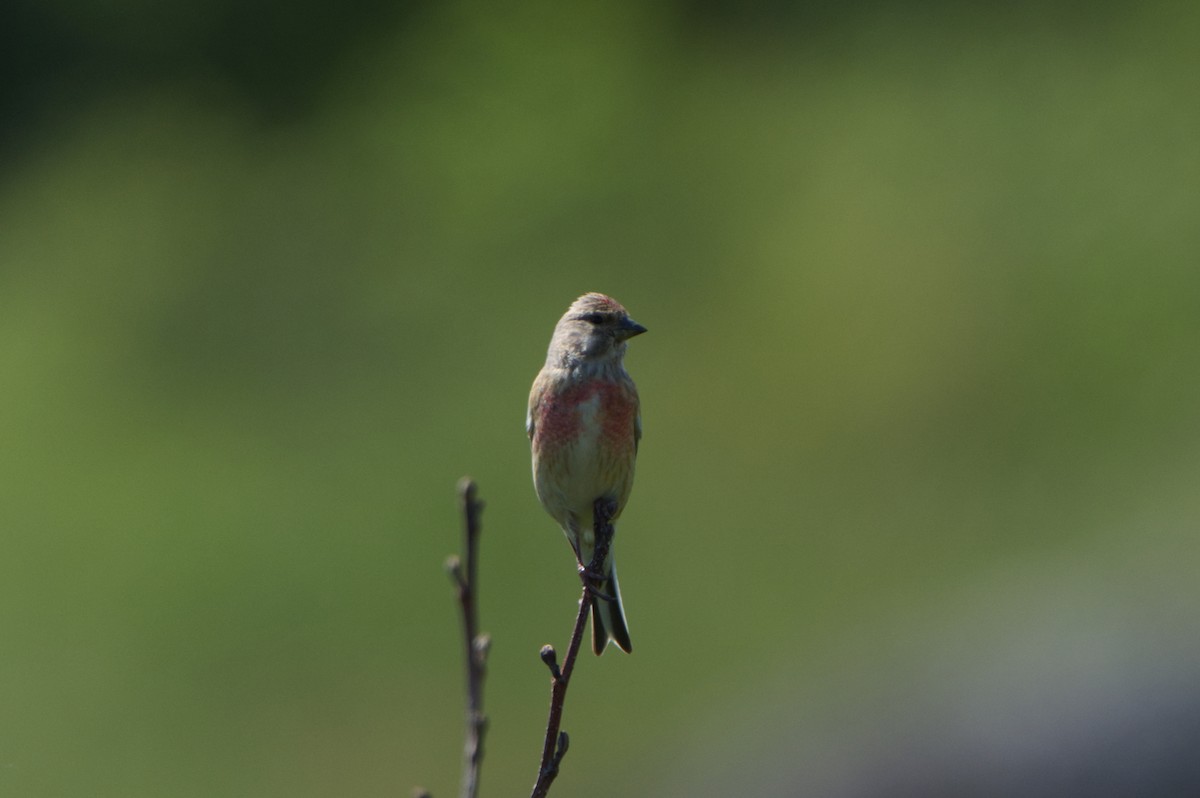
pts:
[535, 397]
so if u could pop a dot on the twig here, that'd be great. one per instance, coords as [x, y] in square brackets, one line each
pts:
[555, 745]
[466, 579]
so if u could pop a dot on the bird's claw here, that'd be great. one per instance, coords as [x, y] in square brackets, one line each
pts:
[590, 579]
[600, 594]
[588, 575]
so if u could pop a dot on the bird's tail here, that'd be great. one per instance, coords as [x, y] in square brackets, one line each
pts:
[608, 617]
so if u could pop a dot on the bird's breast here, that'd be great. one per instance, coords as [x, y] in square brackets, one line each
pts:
[584, 445]
[588, 415]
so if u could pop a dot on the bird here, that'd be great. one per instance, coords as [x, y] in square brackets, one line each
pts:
[584, 425]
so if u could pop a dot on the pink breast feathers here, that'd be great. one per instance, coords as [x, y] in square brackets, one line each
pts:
[558, 413]
[560, 418]
[620, 411]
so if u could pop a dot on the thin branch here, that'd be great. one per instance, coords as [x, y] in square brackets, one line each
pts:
[466, 580]
[556, 742]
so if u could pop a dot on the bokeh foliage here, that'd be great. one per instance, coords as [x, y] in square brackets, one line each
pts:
[923, 294]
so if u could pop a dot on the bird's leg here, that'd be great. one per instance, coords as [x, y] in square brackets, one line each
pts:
[584, 571]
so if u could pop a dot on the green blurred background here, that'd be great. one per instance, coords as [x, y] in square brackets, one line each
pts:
[920, 392]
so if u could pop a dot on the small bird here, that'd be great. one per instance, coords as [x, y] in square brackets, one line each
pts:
[584, 425]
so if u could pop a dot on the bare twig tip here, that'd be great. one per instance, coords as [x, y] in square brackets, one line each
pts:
[466, 488]
[420, 792]
[550, 657]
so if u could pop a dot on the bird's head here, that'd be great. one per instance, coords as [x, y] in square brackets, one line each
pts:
[594, 329]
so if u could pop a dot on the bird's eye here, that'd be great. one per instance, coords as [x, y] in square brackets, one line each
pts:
[593, 318]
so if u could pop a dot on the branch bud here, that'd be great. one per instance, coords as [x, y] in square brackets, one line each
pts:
[550, 657]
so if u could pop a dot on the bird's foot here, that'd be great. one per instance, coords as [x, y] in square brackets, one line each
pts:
[590, 581]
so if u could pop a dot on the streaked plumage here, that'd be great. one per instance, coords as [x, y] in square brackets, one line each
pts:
[584, 425]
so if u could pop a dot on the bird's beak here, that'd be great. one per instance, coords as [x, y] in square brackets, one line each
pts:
[629, 328]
